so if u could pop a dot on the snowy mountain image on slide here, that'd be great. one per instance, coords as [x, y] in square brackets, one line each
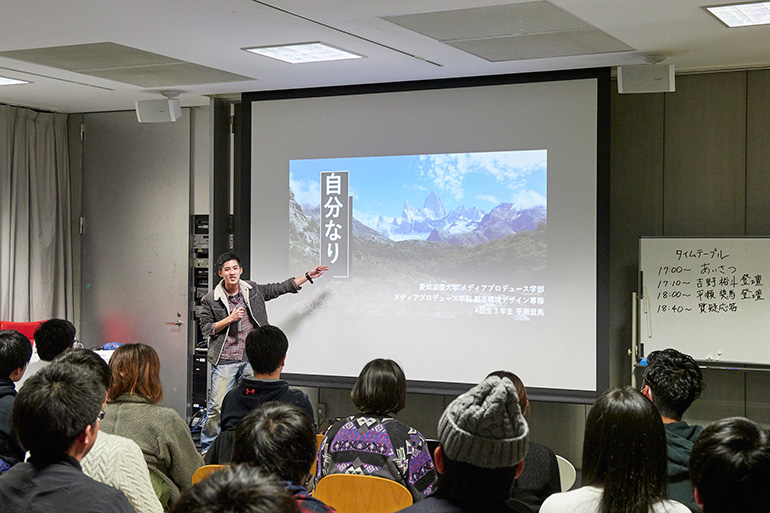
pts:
[429, 219]
[462, 226]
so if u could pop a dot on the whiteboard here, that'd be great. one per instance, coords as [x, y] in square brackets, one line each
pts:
[706, 297]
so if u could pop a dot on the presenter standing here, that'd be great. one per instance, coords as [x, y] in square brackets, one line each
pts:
[229, 313]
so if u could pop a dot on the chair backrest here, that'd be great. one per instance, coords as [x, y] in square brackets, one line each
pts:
[567, 473]
[319, 439]
[352, 493]
[203, 472]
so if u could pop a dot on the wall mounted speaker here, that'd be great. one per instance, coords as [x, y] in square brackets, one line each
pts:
[158, 111]
[647, 78]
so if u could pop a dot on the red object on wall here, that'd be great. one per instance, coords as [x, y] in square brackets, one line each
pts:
[25, 328]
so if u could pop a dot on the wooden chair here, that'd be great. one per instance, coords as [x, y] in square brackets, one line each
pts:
[318, 439]
[204, 471]
[352, 493]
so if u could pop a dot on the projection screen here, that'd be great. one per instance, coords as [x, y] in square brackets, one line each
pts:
[464, 223]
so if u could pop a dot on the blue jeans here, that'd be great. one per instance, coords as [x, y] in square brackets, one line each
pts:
[223, 377]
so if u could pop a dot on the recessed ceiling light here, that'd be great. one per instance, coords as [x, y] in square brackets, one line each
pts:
[742, 15]
[11, 81]
[304, 52]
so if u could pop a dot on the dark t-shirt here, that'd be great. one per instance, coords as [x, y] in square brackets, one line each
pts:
[61, 487]
[10, 451]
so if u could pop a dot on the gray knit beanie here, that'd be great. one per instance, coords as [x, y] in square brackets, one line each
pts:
[485, 427]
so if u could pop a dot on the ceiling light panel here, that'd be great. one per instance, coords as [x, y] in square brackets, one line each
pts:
[300, 53]
[742, 15]
[11, 81]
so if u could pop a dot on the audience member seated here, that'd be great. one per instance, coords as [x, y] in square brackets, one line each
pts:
[15, 352]
[624, 460]
[114, 460]
[374, 443]
[483, 441]
[237, 489]
[133, 412]
[52, 338]
[673, 381]
[540, 477]
[730, 467]
[280, 439]
[56, 415]
[265, 348]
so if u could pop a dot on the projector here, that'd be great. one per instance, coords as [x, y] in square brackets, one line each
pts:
[158, 111]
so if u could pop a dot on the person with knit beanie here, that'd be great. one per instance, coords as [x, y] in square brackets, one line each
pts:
[483, 441]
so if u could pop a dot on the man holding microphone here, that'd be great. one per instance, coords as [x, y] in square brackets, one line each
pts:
[229, 312]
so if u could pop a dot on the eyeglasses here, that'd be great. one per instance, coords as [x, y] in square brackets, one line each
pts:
[76, 344]
[100, 417]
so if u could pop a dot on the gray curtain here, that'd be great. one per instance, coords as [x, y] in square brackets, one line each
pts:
[35, 235]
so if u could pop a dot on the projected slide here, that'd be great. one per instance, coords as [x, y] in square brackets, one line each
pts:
[449, 235]
[464, 229]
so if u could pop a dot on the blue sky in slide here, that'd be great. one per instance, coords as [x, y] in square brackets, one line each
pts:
[381, 185]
